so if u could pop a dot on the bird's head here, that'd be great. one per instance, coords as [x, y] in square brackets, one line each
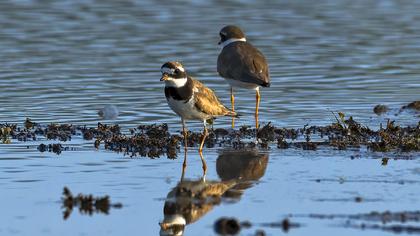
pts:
[174, 74]
[231, 33]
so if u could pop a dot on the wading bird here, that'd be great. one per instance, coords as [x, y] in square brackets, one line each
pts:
[191, 100]
[242, 65]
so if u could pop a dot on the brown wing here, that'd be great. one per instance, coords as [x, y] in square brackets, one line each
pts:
[207, 102]
[242, 61]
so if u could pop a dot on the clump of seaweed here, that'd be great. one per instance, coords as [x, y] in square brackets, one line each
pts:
[155, 140]
[87, 204]
[146, 140]
[5, 132]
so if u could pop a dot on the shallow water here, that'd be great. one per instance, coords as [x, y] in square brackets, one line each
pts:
[61, 61]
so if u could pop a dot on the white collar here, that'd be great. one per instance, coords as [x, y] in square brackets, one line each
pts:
[176, 83]
[229, 41]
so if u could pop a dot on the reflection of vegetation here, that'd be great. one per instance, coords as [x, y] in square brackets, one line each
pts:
[190, 200]
[87, 204]
[395, 222]
[56, 148]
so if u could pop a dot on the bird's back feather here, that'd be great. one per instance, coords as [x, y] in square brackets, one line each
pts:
[242, 61]
[207, 102]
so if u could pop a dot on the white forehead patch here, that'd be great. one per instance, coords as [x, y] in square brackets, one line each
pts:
[170, 70]
[167, 70]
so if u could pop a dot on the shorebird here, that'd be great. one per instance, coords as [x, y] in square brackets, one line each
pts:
[191, 100]
[242, 65]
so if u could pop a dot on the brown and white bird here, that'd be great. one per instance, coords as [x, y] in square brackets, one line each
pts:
[242, 65]
[190, 99]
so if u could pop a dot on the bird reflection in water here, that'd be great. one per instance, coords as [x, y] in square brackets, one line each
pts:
[190, 200]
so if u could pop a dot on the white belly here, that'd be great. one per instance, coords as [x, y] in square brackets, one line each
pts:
[187, 111]
[240, 84]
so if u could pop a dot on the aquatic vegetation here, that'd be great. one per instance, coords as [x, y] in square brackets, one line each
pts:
[155, 140]
[5, 132]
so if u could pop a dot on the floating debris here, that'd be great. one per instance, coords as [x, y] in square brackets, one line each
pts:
[108, 112]
[412, 106]
[29, 124]
[380, 109]
[87, 204]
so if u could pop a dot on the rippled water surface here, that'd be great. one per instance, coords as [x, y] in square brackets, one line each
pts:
[62, 61]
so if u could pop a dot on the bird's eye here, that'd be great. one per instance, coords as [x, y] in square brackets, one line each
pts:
[177, 71]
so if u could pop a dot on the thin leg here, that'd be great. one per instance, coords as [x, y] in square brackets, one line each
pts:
[204, 137]
[185, 133]
[232, 101]
[257, 105]
[200, 150]
[184, 165]
[204, 166]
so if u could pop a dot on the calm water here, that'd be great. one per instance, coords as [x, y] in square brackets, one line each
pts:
[61, 61]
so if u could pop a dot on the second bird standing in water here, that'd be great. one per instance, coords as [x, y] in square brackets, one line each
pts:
[242, 65]
[190, 99]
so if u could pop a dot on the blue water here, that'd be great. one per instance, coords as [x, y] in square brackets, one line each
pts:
[62, 61]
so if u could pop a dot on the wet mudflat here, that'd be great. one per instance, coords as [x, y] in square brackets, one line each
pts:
[69, 65]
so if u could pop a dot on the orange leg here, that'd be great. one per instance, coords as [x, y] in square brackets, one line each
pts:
[204, 165]
[257, 105]
[185, 133]
[232, 101]
[200, 150]
[184, 165]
